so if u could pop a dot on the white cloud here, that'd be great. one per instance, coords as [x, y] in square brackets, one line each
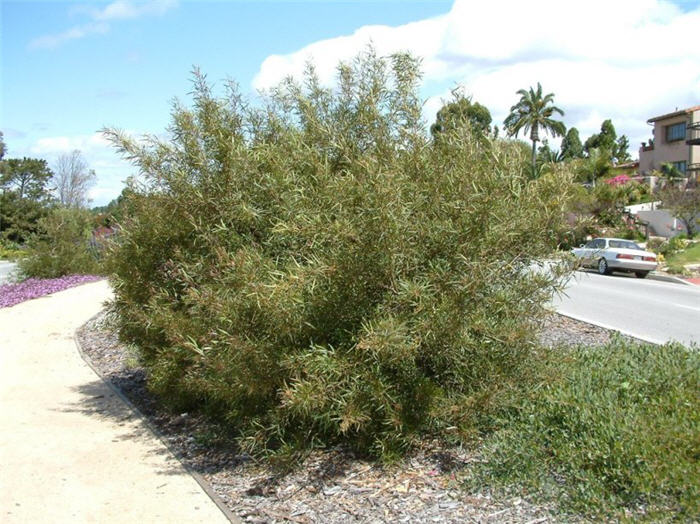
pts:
[74, 33]
[627, 60]
[100, 18]
[327, 53]
[125, 9]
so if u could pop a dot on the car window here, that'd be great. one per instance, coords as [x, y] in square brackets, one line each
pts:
[590, 244]
[597, 243]
[625, 244]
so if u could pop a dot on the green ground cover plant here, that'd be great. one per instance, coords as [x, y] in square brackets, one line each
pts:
[316, 270]
[610, 431]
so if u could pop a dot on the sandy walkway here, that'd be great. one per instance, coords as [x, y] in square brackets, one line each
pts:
[70, 449]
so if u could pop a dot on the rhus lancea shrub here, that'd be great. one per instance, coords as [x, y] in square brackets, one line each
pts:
[313, 269]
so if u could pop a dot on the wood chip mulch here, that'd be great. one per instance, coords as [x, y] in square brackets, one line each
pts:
[329, 486]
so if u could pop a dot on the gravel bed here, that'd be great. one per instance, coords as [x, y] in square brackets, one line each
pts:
[333, 485]
[558, 330]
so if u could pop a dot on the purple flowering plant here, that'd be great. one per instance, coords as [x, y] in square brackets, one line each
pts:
[11, 294]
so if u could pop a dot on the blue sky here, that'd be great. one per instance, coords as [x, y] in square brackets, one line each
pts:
[70, 68]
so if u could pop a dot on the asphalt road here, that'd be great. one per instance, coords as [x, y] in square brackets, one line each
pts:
[6, 269]
[651, 310]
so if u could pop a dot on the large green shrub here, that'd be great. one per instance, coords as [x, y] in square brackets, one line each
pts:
[316, 270]
[62, 246]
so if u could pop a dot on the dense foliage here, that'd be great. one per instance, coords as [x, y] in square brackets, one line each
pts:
[318, 270]
[24, 197]
[608, 141]
[460, 111]
[571, 146]
[610, 430]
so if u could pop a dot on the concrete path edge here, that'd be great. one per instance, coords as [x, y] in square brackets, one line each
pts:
[232, 517]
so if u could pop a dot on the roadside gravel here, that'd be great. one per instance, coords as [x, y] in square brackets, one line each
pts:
[333, 485]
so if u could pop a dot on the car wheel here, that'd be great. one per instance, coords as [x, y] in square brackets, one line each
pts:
[641, 274]
[603, 267]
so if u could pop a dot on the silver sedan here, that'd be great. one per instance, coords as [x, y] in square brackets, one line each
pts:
[616, 254]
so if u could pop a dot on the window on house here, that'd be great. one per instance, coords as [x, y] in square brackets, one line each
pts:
[680, 166]
[675, 132]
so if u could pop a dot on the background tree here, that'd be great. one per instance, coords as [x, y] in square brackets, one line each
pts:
[684, 204]
[621, 149]
[459, 111]
[3, 148]
[607, 139]
[73, 178]
[26, 177]
[24, 196]
[603, 140]
[571, 146]
[533, 113]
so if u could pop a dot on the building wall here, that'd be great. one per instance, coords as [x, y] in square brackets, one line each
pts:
[662, 223]
[694, 150]
[664, 151]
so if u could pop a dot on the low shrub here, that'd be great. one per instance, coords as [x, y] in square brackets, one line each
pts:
[657, 245]
[10, 250]
[318, 271]
[670, 247]
[610, 430]
[62, 246]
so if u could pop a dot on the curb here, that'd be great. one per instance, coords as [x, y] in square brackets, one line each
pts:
[669, 278]
[233, 518]
[662, 277]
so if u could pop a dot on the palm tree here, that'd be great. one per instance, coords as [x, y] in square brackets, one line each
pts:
[532, 113]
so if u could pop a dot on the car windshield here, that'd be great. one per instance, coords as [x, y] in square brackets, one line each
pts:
[624, 244]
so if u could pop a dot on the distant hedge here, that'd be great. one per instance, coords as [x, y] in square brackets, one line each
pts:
[316, 270]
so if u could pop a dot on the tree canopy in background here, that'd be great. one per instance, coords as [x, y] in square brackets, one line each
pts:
[571, 146]
[608, 140]
[26, 178]
[533, 113]
[28, 191]
[458, 112]
[25, 196]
